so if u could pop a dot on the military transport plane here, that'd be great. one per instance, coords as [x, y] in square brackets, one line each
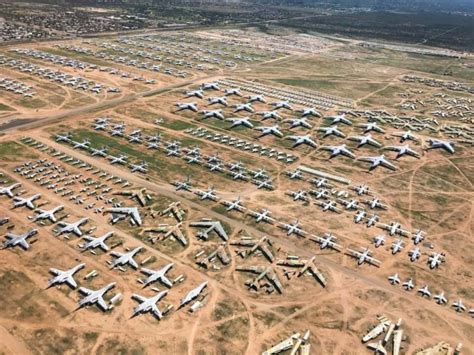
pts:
[298, 122]
[378, 161]
[8, 190]
[14, 240]
[64, 276]
[438, 143]
[339, 119]
[363, 256]
[363, 140]
[71, 227]
[327, 241]
[119, 213]
[46, 214]
[262, 215]
[403, 150]
[183, 185]
[332, 130]
[191, 295]
[266, 130]
[306, 139]
[98, 242]
[92, 297]
[293, 228]
[407, 135]
[120, 159]
[157, 275]
[234, 205]
[310, 111]
[338, 150]
[148, 304]
[28, 202]
[187, 106]
[125, 258]
[244, 121]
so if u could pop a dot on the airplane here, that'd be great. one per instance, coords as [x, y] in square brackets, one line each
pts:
[244, 121]
[363, 140]
[394, 279]
[378, 161]
[244, 107]
[438, 143]
[394, 228]
[359, 216]
[332, 130]
[371, 126]
[142, 168]
[372, 220]
[361, 189]
[97, 296]
[148, 304]
[376, 203]
[14, 240]
[209, 194]
[28, 202]
[210, 86]
[215, 167]
[403, 150]
[261, 173]
[71, 227]
[298, 122]
[306, 139]
[440, 298]
[282, 104]
[214, 113]
[174, 231]
[310, 111]
[338, 150]
[132, 212]
[125, 258]
[236, 166]
[261, 244]
[418, 236]
[363, 256]
[121, 159]
[100, 152]
[329, 206]
[210, 226]
[116, 133]
[340, 119]
[320, 194]
[459, 306]
[64, 276]
[397, 246]
[258, 98]
[46, 214]
[327, 241]
[295, 174]
[424, 291]
[262, 215]
[305, 265]
[436, 259]
[234, 205]
[407, 135]
[183, 185]
[187, 106]
[349, 205]
[408, 285]
[98, 242]
[196, 93]
[157, 275]
[81, 145]
[191, 295]
[233, 91]
[270, 114]
[298, 195]
[293, 228]
[8, 190]
[63, 138]
[218, 100]
[274, 130]
[379, 240]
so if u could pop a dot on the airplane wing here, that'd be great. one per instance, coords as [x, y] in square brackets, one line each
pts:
[147, 271]
[389, 165]
[85, 291]
[55, 271]
[77, 231]
[373, 261]
[71, 282]
[24, 244]
[132, 262]
[166, 281]
[156, 312]
[220, 230]
[139, 298]
[101, 303]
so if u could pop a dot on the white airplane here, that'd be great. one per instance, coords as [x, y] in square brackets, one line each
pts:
[293, 228]
[394, 279]
[306, 139]
[329, 206]
[63, 138]
[371, 126]
[394, 228]
[46, 214]
[332, 130]
[232, 91]
[299, 122]
[414, 254]
[257, 98]
[274, 130]
[244, 107]
[209, 194]
[349, 204]
[131, 212]
[28, 202]
[98, 242]
[14, 240]
[157, 275]
[270, 114]
[408, 285]
[438, 143]
[71, 227]
[418, 236]
[282, 104]
[436, 259]
[183, 185]
[338, 150]
[125, 258]
[191, 295]
[244, 121]
[359, 216]
[310, 111]
[92, 297]
[397, 246]
[298, 195]
[364, 256]
[81, 145]
[263, 215]
[99, 152]
[213, 113]
[234, 205]
[121, 159]
[379, 240]
[376, 203]
[66, 276]
[210, 86]
[8, 190]
[440, 298]
[372, 220]
[328, 241]
[295, 174]
[196, 93]
[361, 189]
[142, 168]
[407, 135]
[148, 304]
[367, 139]
[378, 161]
[424, 291]
[340, 119]
[403, 150]
[459, 306]
[187, 106]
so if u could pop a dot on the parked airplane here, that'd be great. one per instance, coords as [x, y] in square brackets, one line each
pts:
[403, 150]
[282, 104]
[371, 126]
[99, 152]
[244, 107]
[210, 226]
[418, 236]
[8, 190]
[364, 256]
[46, 214]
[63, 138]
[359, 216]
[148, 304]
[393, 228]
[379, 240]
[440, 298]
[183, 185]
[327, 241]
[71, 227]
[270, 114]
[233, 91]
[191, 295]
[64, 276]
[157, 275]
[397, 246]
[338, 150]
[436, 259]
[332, 130]
[20, 240]
[187, 106]
[28, 202]
[274, 130]
[438, 143]
[214, 113]
[255, 98]
[209, 194]
[92, 297]
[363, 140]
[121, 159]
[125, 258]
[459, 306]
[340, 119]
[310, 111]
[298, 122]
[222, 100]
[210, 86]
[81, 145]
[196, 93]
[234, 205]
[408, 285]
[376, 203]
[293, 228]
[424, 291]
[262, 215]
[295, 174]
[298, 195]
[142, 167]
[306, 139]
[378, 161]
[414, 254]
[119, 213]
[98, 242]
[244, 121]
[407, 135]
[261, 244]
[394, 279]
